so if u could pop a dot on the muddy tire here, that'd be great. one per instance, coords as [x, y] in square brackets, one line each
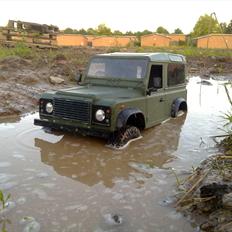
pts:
[123, 136]
[181, 110]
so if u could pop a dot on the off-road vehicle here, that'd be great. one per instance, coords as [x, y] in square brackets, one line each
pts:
[119, 95]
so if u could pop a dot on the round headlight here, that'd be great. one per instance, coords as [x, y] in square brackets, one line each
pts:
[100, 115]
[49, 107]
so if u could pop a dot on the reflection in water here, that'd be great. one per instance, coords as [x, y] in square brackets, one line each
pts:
[88, 161]
[3, 223]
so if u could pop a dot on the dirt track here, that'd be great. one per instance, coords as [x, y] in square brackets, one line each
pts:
[23, 80]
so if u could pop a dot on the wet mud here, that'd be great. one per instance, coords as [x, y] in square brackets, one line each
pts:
[22, 82]
[207, 67]
[63, 182]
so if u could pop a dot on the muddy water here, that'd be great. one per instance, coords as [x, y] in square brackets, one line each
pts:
[60, 182]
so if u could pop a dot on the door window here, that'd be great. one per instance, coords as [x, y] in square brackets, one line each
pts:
[176, 74]
[156, 77]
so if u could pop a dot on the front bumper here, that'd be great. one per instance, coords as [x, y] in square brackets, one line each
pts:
[72, 129]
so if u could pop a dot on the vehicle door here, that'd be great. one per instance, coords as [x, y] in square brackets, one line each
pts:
[176, 85]
[155, 99]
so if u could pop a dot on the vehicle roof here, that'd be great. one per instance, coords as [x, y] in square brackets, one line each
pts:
[156, 57]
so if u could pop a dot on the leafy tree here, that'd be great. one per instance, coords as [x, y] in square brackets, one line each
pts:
[75, 31]
[205, 25]
[229, 28]
[141, 33]
[146, 32]
[178, 31]
[223, 27]
[68, 30]
[162, 30]
[81, 31]
[91, 31]
[138, 33]
[102, 29]
[129, 33]
[117, 32]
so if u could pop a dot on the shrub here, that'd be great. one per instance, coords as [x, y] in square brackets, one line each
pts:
[22, 50]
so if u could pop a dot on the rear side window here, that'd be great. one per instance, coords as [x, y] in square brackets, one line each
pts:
[176, 74]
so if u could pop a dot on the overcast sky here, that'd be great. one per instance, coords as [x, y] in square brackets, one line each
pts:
[124, 15]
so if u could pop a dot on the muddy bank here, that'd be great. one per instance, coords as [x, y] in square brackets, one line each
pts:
[206, 195]
[209, 66]
[24, 79]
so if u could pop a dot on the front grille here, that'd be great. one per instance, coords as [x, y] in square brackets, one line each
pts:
[72, 109]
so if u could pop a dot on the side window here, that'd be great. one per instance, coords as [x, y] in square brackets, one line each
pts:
[176, 74]
[156, 77]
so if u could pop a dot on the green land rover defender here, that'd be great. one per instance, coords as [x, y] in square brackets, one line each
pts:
[118, 96]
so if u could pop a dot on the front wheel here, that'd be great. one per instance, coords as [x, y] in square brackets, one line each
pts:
[120, 139]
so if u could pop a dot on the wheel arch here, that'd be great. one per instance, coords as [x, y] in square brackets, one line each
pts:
[131, 116]
[178, 104]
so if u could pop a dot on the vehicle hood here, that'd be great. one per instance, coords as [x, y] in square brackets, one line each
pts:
[100, 92]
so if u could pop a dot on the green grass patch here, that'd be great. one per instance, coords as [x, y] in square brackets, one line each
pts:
[20, 50]
[189, 51]
[81, 55]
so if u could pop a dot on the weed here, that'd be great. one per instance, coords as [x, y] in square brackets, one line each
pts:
[4, 199]
[193, 169]
[228, 117]
[227, 142]
[227, 92]
[22, 50]
[178, 182]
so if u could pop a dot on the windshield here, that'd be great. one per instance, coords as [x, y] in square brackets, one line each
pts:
[105, 67]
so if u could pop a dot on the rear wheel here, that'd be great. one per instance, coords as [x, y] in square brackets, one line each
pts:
[181, 110]
[180, 113]
[124, 136]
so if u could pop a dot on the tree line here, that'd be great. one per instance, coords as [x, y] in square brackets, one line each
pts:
[205, 25]
[102, 29]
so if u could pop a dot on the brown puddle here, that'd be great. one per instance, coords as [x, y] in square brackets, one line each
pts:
[64, 182]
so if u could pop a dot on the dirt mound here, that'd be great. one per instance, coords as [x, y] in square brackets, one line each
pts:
[22, 82]
[60, 57]
[14, 62]
[28, 80]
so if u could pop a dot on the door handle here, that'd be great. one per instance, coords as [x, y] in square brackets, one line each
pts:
[161, 99]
